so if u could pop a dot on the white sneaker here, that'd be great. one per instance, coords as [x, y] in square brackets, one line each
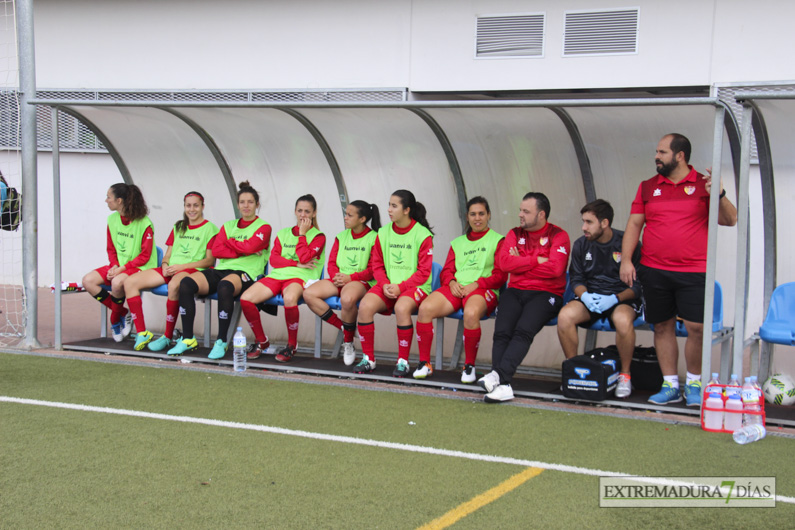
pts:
[423, 370]
[499, 394]
[490, 381]
[127, 321]
[348, 353]
[468, 374]
[624, 387]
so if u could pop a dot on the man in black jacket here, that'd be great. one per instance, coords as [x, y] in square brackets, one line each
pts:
[599, 291]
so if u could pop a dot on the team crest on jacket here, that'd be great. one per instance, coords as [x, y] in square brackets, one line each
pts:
[690, 190]
[543, 241]
[617, 257]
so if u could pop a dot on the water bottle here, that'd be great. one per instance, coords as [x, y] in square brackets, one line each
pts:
[239, 355]
[750, 398]
[713, 419]
[733, 417]
[711, 384]
[755, 384]
[749, 433]
[733, 387]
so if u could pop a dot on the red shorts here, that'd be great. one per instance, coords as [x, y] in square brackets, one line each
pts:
[417, 294]
[103, 271]
[277, 286]
[167, 279]
[459, 303]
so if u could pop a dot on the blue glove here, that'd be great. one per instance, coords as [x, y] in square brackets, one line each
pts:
[591, 301]
[606, 302]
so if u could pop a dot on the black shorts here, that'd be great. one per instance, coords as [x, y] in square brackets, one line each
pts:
[214, 277]
[669, 294]
[636, 305]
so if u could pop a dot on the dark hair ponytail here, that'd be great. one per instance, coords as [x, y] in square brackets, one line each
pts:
[311, 200]
[417, 209]
[134, 204]
[182, 225]
[370, 212]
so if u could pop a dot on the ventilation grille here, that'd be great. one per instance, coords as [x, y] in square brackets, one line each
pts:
[510, 36]
[74, 135]
[601, 32]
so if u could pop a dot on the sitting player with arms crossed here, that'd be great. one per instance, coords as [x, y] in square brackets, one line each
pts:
[188, 250]
[349, 273]
[594, 276]
[240, 247]
[402, 264]
[470, 280]
[296, 258]
[131, 248]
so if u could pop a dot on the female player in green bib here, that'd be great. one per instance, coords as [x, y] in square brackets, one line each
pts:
[296, 258]
[349, 273]
[470, 281]
[131, 249]
[402, 264]
[240, 247]
[188, 250]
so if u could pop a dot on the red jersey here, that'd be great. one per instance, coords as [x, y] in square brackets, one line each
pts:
[364, 276]
[424, 265]
[493, 281]
[147, 247]
[677, 222]
[527, 274]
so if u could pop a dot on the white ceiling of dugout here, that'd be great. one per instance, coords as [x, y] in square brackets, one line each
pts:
[779, 117]
[166, 159]
[383, 150]
[278, 156]
[506, 152]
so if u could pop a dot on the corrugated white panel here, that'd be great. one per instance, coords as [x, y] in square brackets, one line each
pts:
[510, 36]
[601, 32]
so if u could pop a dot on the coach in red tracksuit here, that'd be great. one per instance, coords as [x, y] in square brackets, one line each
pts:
[535, 254]
[674, 206]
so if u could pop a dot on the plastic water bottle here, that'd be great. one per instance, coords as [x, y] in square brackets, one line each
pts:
[733, 387]
[713, 419]
[755, 384]
[712, 384]
[239, 355]
[733, 417]
[750, 398]
[749, 433]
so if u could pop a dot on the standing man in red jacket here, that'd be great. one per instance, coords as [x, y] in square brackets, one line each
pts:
[674, 207]
[535, 254]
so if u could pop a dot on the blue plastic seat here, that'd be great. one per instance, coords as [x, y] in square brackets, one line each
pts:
[779, 324]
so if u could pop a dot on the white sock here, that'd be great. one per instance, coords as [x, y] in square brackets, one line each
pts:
[673, 379]
[693, 377]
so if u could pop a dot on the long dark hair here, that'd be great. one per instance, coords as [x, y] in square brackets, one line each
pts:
[476, 200]
[370, 212]
[417, 209]
[182, 225]
[311, 200]
[134, 204]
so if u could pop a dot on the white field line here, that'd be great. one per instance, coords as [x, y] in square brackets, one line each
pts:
[359, 441]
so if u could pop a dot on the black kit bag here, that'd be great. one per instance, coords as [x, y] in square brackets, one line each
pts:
[592, 376]
[11, 209]
[645, 370]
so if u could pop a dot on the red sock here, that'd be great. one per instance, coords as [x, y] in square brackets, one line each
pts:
[404, 341]
[251, 313]
[172, 310]
[471, 345]
[291, 316]
[137, 310]
[117, 312]
[348, 331]
[335, 321]
[424, 340]
[367, 338]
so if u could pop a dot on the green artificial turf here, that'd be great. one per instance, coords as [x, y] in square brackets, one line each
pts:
[67, 468]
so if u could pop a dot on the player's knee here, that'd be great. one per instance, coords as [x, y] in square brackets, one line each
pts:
[188, 287]
[226, 290]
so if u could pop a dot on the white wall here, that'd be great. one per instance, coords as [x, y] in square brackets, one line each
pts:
[425, 45]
